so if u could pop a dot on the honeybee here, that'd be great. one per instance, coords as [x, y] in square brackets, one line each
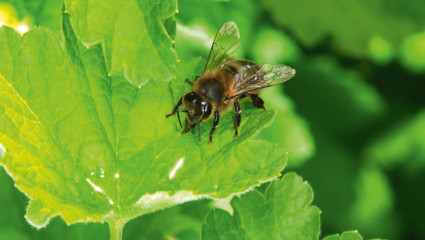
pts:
[224, 81]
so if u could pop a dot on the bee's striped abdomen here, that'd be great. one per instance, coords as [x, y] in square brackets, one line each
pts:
[240, 68]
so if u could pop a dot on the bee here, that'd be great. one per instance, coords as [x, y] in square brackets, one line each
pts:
[224, 81]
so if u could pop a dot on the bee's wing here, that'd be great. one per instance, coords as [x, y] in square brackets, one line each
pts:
[226, 45]
[268, 75]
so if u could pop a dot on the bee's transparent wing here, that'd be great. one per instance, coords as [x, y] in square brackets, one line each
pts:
[268, 75]
[226, 45]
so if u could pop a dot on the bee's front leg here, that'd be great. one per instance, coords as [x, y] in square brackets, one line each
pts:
[188, 127]
[176, 110]
[215, 124]
[237, 121]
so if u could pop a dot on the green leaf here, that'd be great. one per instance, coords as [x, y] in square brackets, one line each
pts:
[132, 33]
[9, 47]
[14, 226]
[20, 13]
[349, 195]
[282, 212]
[90, 146]
[349, 235]
[47, 13]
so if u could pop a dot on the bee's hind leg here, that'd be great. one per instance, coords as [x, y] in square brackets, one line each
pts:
[237, 121]
[215, 124]
[256, 101]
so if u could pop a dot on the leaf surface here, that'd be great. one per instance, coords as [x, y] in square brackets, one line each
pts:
[282, 212]
[88, 145]
[134, 39]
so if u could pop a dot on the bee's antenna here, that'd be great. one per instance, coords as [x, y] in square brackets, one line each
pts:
[199, 130]
[178, 116]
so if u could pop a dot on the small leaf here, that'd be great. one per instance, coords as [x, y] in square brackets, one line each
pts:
[282, 212]
[219, 224]
[349, 235]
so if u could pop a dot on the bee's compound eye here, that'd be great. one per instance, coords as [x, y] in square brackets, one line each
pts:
[206, 109]
[190, 98]
[191, 102]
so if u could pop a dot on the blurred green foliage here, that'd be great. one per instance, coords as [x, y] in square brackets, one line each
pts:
[352, 119]
[47, 13]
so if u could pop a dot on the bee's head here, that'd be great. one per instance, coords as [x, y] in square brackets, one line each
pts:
[197, 108]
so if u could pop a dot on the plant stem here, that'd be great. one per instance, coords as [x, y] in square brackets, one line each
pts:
[115, 228]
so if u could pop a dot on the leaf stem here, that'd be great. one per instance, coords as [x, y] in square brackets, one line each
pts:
[115, 228]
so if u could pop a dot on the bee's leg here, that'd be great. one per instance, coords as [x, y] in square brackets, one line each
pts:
[237, 121]
[188, 127]
[188, 81]
[191, 83]
[256, 101]
[215, 124]
[176, 110]
[199, 129]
